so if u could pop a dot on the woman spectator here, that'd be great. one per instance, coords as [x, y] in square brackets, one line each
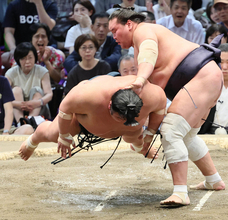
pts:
[212, 14]
[86, 46]
[30, 83]
[82, 12]
[215, 30]
[48, 56]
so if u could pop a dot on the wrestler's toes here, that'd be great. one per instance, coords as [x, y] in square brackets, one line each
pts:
[219, 186]
[205, 186]
[175, 200]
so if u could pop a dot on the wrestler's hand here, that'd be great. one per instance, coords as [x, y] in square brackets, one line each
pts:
[137, 85]
[152, 153]
[64, 142]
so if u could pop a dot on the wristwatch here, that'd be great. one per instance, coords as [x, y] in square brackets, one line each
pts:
[5, 131]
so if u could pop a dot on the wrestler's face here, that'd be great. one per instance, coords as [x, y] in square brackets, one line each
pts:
[210, 38]
[224, 65]
[27, 62]
[179, 11]
[127, 67]
[222, 10]
[87, 50]
[121, 33]
[40, 40]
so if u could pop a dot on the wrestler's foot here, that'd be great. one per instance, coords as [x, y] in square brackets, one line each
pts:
[27, 148]
[176, 199]
[206, 186]
[151, 154]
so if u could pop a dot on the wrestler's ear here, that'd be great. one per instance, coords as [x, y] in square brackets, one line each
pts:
[129, 24]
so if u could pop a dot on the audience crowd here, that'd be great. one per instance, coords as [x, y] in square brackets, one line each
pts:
[33, 62]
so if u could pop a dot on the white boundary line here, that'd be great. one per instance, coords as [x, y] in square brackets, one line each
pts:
[203, 200]
[101, 205]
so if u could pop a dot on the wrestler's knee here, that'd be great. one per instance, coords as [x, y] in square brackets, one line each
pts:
[173, 130]
[197, 148]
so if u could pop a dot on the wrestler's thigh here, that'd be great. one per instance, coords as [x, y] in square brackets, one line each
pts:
[199, 95]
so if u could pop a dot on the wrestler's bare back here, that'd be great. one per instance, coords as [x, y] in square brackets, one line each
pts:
[90, 105]
[172, 49]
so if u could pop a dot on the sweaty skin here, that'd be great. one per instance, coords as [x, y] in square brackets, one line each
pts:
[91, 108]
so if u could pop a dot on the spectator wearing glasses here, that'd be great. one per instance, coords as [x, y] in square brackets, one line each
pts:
[86, 46]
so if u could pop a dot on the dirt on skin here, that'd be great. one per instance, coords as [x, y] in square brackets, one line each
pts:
[129, 187]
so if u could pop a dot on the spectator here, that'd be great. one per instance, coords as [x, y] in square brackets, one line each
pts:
[6, 111]
[108, 50]
[82, 11]
[217, 121]
[30, 83]
[48, 56]
[162, 9]
[20, 15]
[150, 18]
[86, 46]
[215, 30]
[212, 14]
[126, 65]
[221, 7]
[3, 7]
[104, 5]
[179, 23]
[128, 4]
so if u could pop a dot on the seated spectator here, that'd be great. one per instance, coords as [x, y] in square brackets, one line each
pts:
[221, 6]
[212, 14]
[126, 65]
[3, 7]
[127, 4]
[82, 11]
[215, 30]
[104, 5]
[30, 84]
[6, 111]
[20, 15]
[108, 50]
[162, 9]
[86, 46]
[149, 16]
[179, 23]
[48, 56]
[217, 121]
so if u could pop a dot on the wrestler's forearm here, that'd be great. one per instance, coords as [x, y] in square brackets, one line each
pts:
[155, 121]
[64, 125]
[145, 70]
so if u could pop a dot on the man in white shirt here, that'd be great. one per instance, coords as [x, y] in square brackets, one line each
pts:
[179, 23]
